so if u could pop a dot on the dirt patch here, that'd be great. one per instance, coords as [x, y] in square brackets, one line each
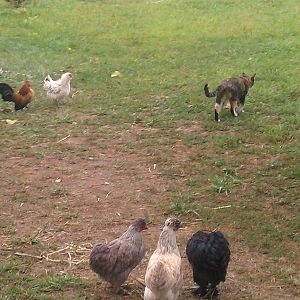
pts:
[190, 127]
[65, 204]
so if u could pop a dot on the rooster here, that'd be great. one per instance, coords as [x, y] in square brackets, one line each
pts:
[209, 255]
[21, 99]
[57, 89]
[114, 261]
[163, 277]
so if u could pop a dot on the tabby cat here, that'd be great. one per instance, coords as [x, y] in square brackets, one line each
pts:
[233, 89]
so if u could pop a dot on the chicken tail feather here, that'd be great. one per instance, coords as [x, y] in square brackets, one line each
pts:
[47, 78]
[6, 92]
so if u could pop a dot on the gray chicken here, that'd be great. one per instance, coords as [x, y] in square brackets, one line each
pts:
[114, 261]
[164, 272]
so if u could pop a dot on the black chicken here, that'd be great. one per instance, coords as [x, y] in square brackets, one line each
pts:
[209, 255]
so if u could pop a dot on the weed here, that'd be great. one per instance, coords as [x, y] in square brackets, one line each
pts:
[228, 140]
[224, 183]
[60, 192]
[9, 230]
[180, 208]
[70, 215]
[30, 287]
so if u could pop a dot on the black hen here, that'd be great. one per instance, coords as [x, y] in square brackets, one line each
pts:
[209, 255]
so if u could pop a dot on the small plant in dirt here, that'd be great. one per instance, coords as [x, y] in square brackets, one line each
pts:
[13, 265]
[70, 215]
[180, 208]
[224, 183]
[60, 192]
[9, 230]
[33, 288]
[228, 140]
[28, 239]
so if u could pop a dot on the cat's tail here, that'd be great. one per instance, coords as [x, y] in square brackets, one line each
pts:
[208, 93]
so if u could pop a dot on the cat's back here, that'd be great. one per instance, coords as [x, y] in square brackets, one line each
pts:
[232, 84]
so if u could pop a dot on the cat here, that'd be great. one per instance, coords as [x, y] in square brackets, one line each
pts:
[233, 89]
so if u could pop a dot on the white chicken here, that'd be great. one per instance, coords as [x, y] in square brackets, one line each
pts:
[163, 277]
[57, 89]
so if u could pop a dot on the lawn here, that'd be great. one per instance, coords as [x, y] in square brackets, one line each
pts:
[145, 142]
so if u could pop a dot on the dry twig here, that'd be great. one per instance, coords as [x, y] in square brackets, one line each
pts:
[221, 207]
[75, 255]
[63, 139]
[40, 257]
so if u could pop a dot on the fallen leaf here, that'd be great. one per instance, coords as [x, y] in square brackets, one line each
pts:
[116, 74]
[10, 122]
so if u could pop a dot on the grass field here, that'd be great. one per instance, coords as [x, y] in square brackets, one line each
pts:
[146, 142]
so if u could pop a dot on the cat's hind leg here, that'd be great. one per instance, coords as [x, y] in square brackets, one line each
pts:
[218, 108]
[240, 109]
[233, 107]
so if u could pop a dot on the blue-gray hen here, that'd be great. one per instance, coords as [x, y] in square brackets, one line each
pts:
[114, 261]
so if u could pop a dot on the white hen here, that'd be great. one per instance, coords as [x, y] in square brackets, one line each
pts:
[57, 89]
[164, 272]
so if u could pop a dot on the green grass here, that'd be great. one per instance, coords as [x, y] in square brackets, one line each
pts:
[47, 287]
[60, 192]
[166, 52]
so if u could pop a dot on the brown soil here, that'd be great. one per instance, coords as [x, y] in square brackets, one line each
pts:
[72, 202]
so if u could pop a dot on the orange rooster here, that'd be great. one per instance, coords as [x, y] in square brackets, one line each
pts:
[21, 99]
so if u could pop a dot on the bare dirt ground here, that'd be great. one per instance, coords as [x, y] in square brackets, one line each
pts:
[68, 203]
